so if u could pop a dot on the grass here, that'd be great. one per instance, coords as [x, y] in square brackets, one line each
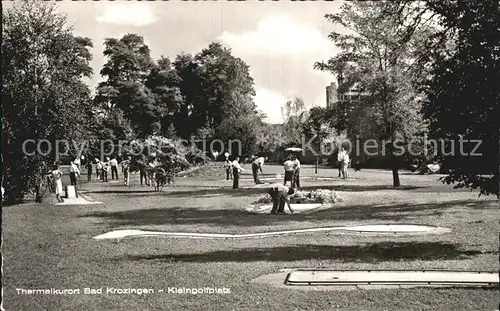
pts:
[51, 246]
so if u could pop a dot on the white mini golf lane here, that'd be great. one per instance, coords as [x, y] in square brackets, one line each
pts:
[326, 279]
[383, 229]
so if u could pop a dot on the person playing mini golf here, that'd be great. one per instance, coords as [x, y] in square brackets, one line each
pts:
[256, 166]
[237, 169]
[280, 195]
[228, 166]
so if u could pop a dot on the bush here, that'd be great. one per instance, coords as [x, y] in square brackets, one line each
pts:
[160, 152]
[304, 197]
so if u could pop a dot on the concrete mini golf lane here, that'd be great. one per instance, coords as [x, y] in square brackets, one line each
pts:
[315, 279]
[383, 229]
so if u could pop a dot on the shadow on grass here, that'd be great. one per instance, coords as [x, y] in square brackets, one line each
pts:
[370, 253]
[359, 188]
[228, 217]
[230, 192]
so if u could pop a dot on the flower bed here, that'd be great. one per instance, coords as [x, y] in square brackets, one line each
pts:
[322, 196]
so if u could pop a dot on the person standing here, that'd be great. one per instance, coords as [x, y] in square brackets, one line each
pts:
[77, 162]
[74, 172]
[143, 175]
[114, 168]
[105, 170]
[280, 195]
[289, 169]
[228, 166]
[89, 170]
[296, 173]
[340, 156]
[256, 166]
[237, 169]
[98, 169]
[57, 178]
[126, 171]
[345, 163]
[215, 154]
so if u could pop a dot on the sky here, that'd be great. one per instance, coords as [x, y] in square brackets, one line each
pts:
[280, 41]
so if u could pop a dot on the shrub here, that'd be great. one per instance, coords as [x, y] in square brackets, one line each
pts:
[322, 196]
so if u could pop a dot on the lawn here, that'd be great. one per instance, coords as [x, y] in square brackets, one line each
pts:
[47, 246]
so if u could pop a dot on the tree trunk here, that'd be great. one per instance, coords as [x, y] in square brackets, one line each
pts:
[38, 194]
[395, 177]
[395, 173]
[316, 168]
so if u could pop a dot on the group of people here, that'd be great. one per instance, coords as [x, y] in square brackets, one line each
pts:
[279, 192]
[54, 178]
[104, 168]
[292, 171]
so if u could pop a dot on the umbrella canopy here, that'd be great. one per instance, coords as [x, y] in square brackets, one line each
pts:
[293, 149]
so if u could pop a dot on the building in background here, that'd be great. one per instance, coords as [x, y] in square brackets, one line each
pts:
[343, 93]
[331, 94]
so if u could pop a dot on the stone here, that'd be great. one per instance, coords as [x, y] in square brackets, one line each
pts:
[71, 192]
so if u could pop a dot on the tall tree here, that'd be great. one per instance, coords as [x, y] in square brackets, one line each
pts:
[463, 92]
[188, 121]
[43, 97]
[293, 108]
[163, 81]
[294, 115]
[216, 86]
[128, 65]
[227, 86]
[376, 54]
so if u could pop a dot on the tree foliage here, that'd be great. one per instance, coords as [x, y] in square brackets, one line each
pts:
[463, 92]
[460, 86]
[377, 55]
[43, 96]
[157, 152]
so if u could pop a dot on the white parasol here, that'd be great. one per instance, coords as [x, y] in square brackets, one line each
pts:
[293, 149]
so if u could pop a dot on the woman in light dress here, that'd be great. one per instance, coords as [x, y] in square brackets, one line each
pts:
[57, 178]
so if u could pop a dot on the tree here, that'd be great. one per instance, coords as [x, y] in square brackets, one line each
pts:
[294, 115]
[463, 92]
[157, 152]
[43, 96]
[189, 83]
[168, 100]
[243, 128]
[227, 87]
[128, 66]
[321, 126]
[378, 56]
